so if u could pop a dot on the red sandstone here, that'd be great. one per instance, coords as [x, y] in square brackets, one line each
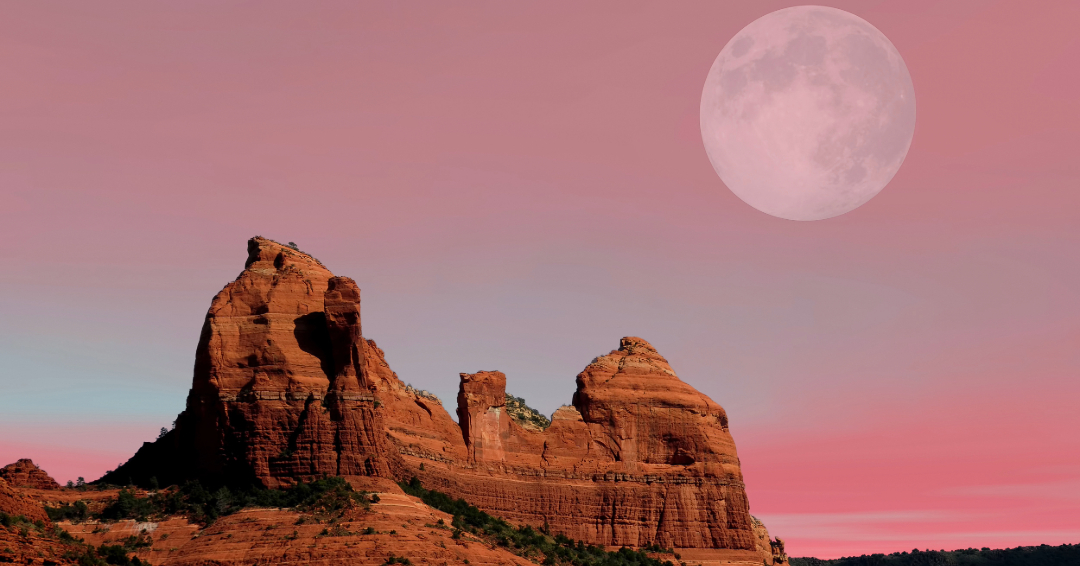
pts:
[25, 473]
[286, 388]
[14, 502]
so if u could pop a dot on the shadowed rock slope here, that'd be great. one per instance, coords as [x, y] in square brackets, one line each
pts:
[287, 389]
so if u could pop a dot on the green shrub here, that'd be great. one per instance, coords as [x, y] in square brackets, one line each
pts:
[525, 415]
[117, 555]
[20, 522]
[329, 496]
[127, 505]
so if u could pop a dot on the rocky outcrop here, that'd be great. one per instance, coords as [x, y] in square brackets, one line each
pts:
[25, 473]
[286, 388]
[643, 414]
[640, 458]
[279, 393]
[416, 424]
[14, 502]
[482, 415]
[771, 550]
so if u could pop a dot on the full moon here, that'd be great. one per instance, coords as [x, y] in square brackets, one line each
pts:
[807, 113]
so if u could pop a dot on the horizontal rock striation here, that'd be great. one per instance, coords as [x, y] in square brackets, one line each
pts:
[16, 503]
[25, 473]
[640, 458]
[286, 388]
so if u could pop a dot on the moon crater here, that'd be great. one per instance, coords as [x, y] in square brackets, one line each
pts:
[807, 113]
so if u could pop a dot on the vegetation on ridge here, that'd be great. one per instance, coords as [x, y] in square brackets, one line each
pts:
[77, 550]
[331, 496]
[526, 416]
[526, 541]
[1020, 556]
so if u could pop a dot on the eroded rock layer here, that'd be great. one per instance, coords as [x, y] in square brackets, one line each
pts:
[286, 388]
[640, 458]
[14, 502]
[279, 393]
[25, 473]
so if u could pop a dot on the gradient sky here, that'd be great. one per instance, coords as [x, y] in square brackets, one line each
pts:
[515, 186]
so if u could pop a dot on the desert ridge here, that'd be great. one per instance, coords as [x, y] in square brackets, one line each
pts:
[286, 389]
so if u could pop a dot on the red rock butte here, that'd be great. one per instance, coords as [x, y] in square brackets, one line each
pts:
[25, 473]
[286, 388]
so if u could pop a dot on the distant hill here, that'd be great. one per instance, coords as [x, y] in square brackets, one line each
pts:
[1066, 554]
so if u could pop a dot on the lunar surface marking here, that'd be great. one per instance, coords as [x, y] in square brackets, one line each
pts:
[807, 113]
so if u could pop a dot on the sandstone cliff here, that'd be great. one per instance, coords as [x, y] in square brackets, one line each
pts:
[286, 388]
[640, 458]
[279, 392]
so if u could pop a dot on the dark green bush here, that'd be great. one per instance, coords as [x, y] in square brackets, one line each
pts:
[127, 505]
[21, 522]
[117, 555]
[76, 512]
[83, 554]
[524, 414]
[330, 496]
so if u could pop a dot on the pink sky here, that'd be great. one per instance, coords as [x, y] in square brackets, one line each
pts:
[516, 186]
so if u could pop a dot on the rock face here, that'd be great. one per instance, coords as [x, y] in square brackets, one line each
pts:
[771, 550]
[279, 392]
[640, 458]
[643, 413]
[14, 502]
[286, 388]
[25, 473]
